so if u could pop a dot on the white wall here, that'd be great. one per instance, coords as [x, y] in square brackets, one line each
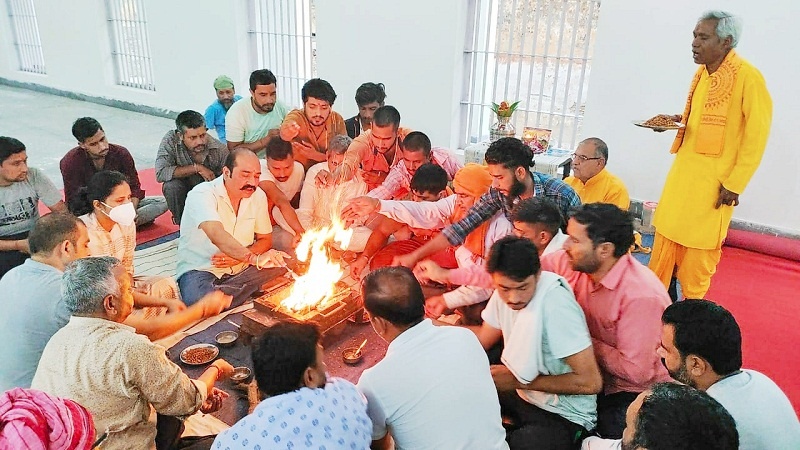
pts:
[414, 47]
[186, 53]
[643, 66]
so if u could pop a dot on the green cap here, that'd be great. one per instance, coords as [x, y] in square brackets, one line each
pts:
[223, 82]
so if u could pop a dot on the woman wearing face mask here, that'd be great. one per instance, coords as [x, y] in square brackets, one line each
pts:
[107, 211]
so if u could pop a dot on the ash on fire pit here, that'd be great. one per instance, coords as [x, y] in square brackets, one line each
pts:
[326, 315]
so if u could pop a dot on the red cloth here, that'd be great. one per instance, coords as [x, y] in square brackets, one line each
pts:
[383, 258]
[77, 169]
[34, 420]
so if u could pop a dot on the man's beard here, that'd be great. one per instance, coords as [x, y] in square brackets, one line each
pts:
[682, 374]
[517, 189]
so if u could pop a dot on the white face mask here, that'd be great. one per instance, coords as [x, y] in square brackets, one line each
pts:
[123, 214]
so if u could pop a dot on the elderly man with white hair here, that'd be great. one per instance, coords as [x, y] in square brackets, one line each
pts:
[121, 377]
[727, 119]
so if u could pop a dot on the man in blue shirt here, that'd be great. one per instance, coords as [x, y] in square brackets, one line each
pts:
[215, 113]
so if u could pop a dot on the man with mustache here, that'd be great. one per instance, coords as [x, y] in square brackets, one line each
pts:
[251, 124]
[312, 128]
[226, 237]
[216, 112]
[186, 157]
[727, 117]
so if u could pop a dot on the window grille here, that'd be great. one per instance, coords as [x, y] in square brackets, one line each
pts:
[130, 45]
[283, 40]
[25, 30]
[536, 51]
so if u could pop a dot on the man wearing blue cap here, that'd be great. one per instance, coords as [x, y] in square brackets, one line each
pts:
[215, 113]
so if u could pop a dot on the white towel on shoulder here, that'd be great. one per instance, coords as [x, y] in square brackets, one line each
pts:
[523, 347]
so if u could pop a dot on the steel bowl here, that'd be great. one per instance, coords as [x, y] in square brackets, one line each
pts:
[241, 374]
[226, 338]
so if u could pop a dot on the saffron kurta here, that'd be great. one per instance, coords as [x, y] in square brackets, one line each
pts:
[334, 126]
[686, 213]
[604, 187]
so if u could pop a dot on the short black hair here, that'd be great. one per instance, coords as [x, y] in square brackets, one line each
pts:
[320, 89]
[99, 188]
[386, 115]
[417, 141]
[513, 257]
[262, 77]
[394, 294]
[9, 146]
[370, 92]
[51, 230]
[84, 128]
[679, 417]
[539, 210]
[606, 223]
[278, 149]
[233, 155]
[708, 330]
[188, 120]
[510, 153]
[600, 147]
[282, 354]
[429, 177]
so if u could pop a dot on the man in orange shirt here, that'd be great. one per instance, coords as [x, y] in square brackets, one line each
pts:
[374, 151]
[311, 129]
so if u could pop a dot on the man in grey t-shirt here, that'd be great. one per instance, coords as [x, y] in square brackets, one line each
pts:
[21, 188]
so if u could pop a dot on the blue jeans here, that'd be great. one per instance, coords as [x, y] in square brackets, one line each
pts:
[194, 284]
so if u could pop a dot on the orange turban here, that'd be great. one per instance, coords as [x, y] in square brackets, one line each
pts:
[474, 179]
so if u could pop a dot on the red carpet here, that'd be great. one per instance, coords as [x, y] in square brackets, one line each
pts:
[762, 293]
[163, 225]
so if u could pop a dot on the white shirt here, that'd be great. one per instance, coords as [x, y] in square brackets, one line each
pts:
[332, 417]
[244, 124]
[555, 244]
[764, 416]
[317, 203]
[433, 390]
[209, 202]
[290, 187]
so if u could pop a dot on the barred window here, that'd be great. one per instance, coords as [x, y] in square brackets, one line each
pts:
[130, 45]
[283, 40]
[25, 30]
[536, 51]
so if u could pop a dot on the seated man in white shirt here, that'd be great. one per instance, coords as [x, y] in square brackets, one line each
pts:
[549, 378]
[433, 389]
[302, 408]
[121, 377]
[416, 151]
[226, 241]
[281, 179]
[319, 206]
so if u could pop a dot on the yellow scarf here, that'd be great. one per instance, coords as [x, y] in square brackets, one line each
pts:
[711, 134]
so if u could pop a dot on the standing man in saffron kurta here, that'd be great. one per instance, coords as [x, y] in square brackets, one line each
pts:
[727, 117]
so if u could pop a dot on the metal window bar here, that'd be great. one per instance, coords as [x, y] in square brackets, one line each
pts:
[283, 39]
[25, 31]
[536, 51]
[130, 44]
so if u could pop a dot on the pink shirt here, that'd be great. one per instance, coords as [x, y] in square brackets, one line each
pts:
[623, 313]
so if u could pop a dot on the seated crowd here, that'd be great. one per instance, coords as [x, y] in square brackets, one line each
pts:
[542, 331]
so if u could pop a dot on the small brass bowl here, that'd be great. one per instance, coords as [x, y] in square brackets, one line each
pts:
[352, 355]
[241, 374]
[226, 338]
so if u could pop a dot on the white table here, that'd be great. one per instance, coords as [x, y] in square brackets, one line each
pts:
[547, 163]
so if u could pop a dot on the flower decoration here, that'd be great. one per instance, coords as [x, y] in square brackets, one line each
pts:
[504, 109]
